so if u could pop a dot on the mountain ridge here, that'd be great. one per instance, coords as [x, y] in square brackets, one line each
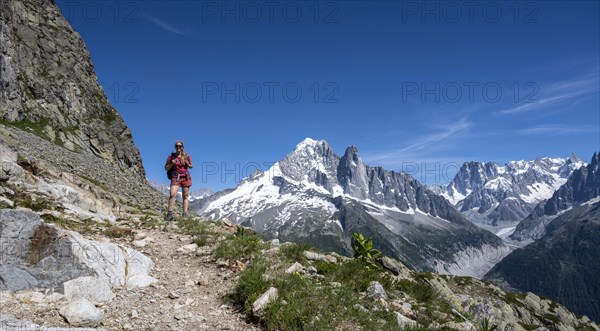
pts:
[312, 193]
[582, 186]
[562, 261]
[488, 193]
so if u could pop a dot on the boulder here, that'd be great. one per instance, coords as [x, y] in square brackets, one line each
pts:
[81, 312]
[94, 289]
[36, 254]
[296, 267]
[404, 321]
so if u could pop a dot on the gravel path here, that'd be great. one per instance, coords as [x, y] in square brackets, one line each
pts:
[188, 296]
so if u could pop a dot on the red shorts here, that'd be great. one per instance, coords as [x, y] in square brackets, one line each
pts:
[183, 180]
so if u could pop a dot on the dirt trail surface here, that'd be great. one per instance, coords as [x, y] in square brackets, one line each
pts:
[189, 294]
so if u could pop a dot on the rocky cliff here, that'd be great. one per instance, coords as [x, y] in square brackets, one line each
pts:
[48, 86]
[61, 142]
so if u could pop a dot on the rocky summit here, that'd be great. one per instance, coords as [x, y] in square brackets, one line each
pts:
[314, 196]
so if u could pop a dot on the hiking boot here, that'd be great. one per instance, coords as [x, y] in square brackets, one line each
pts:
[184, 215]
[169, 216]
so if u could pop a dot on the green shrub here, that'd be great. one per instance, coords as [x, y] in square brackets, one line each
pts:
[38, 204]
[241, 245]
[201, 231]
[419, 291]
[364, 251]
[250, 284]
[307, 304]
[84, 226]
[294, 252]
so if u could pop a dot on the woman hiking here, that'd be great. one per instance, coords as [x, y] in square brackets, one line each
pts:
[177, 166]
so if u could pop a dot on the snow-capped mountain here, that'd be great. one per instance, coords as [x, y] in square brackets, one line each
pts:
[312, 195]
[582, 187]
[492, 194]
[562, 263]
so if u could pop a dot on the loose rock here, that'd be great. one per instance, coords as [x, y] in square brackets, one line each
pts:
[265, 298]
[376, 291]
[81, 312]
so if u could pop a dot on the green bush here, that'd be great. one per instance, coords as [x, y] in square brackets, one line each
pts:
[201, 231]
[307, 304]
[241, 245]
[294, 252]
[364, 251]
[251, 284]
[419, 291]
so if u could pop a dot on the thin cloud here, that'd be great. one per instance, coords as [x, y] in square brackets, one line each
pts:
[425, 144]
[557, 130]
[560, 92]
[167, 26]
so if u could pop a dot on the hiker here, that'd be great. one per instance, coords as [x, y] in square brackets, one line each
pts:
[177, 166]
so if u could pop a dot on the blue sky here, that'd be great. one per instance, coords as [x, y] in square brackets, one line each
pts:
[416, 86]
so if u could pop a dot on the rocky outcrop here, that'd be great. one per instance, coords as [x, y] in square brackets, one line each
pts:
[48, 86]
[78, 183]
[36, 254]
[420, 299]
[57, 127]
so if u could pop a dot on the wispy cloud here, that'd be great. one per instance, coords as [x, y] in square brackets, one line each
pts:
[557, 130]
[168, 26]
[558, 93]
[422, 147]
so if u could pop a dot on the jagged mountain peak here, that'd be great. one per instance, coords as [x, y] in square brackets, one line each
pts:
[595, 160]
[310, 143]
[490, 193]
[352, 174]
[310, 148]
[582, 187]
[351, 150]
[574, 158]
[352, 157]
[473, 174]
[312, 160]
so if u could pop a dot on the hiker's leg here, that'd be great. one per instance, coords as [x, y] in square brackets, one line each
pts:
[185, 190]
[172, 195]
